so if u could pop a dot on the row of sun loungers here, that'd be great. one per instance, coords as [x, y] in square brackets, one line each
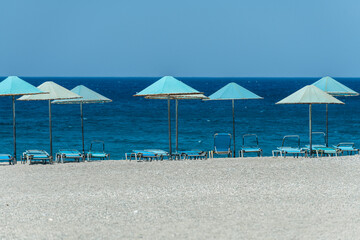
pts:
[156, 154]
[318, 149]
[250, 144]
[64, 155]
[222, 145]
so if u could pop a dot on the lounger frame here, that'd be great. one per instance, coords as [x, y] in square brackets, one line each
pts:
[322, 149]
[250, 149]
[221, 151]
[348, 147]
[31, 156]
[64, 154]
[285, 150]
[193, 155]
[101, 155]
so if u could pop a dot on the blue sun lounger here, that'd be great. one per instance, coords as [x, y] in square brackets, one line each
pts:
[322, 149]
[348, 147]
[161, 153]
[140, 155]
[294, 150]
[250, 148]
[193, 154]
[64, 154]
[6, 158]
[32, 156]
[148, 154]
[222, 144]
[99, 154]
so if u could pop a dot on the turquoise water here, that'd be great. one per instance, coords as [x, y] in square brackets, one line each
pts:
[137, 123]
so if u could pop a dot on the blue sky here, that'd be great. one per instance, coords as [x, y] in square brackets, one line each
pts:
[209, 38]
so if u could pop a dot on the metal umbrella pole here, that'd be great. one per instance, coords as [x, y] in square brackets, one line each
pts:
[177, 124]
[327, 125]
[82, 127]
[233, 113]
[14, 128]
[310, 129]
[50, 129]
[169, 121]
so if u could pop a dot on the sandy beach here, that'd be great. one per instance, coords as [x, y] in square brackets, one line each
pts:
[251, 198]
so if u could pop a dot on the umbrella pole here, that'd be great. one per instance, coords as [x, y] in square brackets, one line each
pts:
[327, 125]
[169, 121]
[233, 113]
[50, 129]
[310, 129]
[14, 127]
[177, 124]
[82, 127]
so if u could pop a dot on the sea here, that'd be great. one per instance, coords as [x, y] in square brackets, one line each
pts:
[132, 123]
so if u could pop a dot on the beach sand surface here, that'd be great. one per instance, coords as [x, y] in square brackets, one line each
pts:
[250, 198]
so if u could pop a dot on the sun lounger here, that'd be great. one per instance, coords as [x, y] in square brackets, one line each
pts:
[141, 155]
[65, 154]
[294, 150]
[348, 147]
[32, 156]
[250, 148]
[193, 154]
[321, 149]
[222, 144]
[95, 153]
[161, 154]
[6, 158]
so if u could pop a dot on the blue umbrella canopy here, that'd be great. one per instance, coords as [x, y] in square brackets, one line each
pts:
[167, 86]
[15, 86]
[88, 96]
[233, 91]
[333, 87]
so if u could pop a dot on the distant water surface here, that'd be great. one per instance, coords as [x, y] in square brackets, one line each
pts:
[130, 122]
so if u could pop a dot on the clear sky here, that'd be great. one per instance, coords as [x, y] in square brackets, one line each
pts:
[184, 38]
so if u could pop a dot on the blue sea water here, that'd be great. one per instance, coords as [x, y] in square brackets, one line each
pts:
[136, 123]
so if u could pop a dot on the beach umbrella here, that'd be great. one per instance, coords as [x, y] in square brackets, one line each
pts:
[54, 92]
[14, 86]
[88, 96]
[177, 98]
[169, 88]
[233, 91]
[334, 88]
[310, 95]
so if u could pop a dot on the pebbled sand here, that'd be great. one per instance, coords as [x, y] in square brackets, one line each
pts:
[252, 198]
